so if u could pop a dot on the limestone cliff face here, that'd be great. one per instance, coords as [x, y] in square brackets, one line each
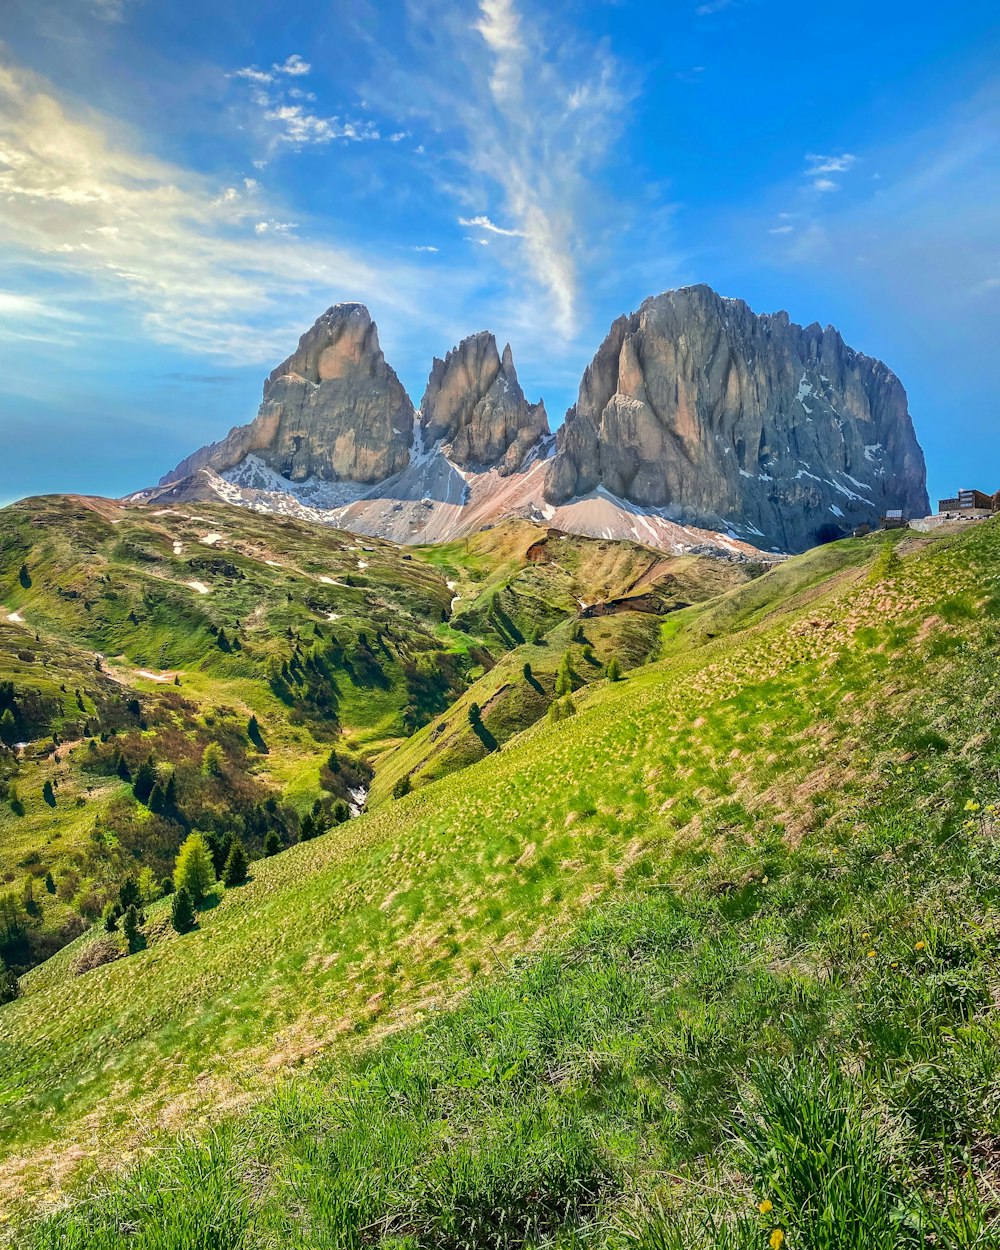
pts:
[333, 410]
[697, 405]
[475, 405]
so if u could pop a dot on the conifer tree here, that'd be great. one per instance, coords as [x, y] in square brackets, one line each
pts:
[307, 829]
[194, 871]
[526, 671]
[48, 794]
[109, 917]
[128, 893]
[273, 843]
[212, 760]
[614, 669]
[170, 796]
[145, 780]
[10, 987]
[475, 714]
[50, 884]
[182, 911]
[8, 727]
[235, 870]
[131, 927]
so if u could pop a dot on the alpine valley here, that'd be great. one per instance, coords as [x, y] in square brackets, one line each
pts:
[423, 830]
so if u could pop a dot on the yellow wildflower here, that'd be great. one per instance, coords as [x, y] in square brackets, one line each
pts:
[971, 805]
[865, 937]
[777, 1239]
[766, 1207]
[871, 954]
[919, 946]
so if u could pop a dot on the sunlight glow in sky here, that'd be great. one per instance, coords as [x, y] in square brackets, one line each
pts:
[185, 187]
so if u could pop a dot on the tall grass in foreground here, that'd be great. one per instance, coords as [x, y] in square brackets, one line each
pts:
[683, 1072]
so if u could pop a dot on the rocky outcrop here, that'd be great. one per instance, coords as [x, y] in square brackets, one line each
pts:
[475, 406]
[696, 405]
[334, 410]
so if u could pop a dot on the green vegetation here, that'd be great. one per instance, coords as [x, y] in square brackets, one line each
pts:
[194, 871]
[204, 668]
[182, 913]
[741, 914]
[237, 865]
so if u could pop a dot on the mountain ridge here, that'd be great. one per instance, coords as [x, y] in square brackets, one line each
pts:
[695, 414]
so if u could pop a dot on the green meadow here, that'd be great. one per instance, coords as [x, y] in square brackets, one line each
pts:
[707, 962]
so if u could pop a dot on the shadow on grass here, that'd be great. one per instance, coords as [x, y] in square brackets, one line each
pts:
[485, 737]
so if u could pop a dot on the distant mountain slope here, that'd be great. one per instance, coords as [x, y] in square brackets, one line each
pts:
[698, 424]
[133, 637]
[768, 744]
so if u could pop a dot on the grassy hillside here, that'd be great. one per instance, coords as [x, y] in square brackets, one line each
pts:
[774, 846]
[295, 655]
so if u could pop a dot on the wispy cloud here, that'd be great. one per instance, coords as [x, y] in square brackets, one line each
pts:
[112, 222]
[819, 167]
[109, 10]
[484, 223]
[292, 124]
[529, 114]
[293, 66]
[299, 128]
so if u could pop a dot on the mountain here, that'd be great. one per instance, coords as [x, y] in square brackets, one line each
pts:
[699, 425]
[733, 916]
[334, 410]
[698, 406]
[474, 404]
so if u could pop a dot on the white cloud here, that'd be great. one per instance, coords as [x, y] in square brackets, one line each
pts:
[300, 129]
[109, 223]
[829, 164]
[524, 112]
[252, 74]
[293, 65]
[781, 230]
[484, 223]
[819, 166]
[426, 247]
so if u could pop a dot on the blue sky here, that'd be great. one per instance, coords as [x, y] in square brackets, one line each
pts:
[185, 186]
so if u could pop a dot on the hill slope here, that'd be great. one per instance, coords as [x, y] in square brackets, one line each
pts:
[133, 642]
[828, 726]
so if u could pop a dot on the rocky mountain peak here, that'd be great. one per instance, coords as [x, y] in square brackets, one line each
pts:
[697, 405]
[334, 410]
[475, 406]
